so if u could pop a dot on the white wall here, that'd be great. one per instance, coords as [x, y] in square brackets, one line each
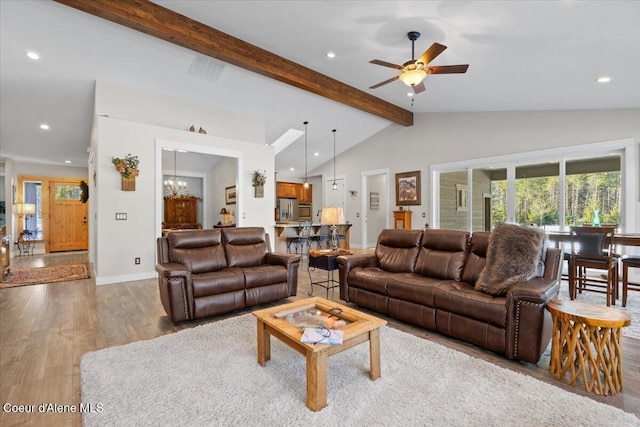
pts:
[223, 174]
[141, 123]
[446, 137]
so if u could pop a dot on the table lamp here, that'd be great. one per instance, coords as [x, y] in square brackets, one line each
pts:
[24, 209]
[332, 215]
[225, 216]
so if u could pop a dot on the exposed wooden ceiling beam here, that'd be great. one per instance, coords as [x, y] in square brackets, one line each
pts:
[160, 22]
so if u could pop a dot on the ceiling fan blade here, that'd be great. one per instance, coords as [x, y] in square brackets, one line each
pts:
[418, 88]
[384, 82]
[385, 64]
[448, 69]
[431, 53]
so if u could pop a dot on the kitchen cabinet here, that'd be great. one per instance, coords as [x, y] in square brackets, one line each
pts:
[304, 194]
[180, 212]
[287, 190]
[402, 219]
[292, 190]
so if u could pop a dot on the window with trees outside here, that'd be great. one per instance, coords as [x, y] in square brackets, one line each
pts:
[553, 193]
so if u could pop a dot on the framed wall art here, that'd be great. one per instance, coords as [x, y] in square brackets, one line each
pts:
[230, 195]
[408, 188]
[461, 197]
[374, 201]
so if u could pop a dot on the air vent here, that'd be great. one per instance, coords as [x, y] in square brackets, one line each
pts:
[206, 68]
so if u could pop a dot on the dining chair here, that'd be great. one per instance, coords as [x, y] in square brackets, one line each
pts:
[628, 262]
[304, 236]
[592, 248]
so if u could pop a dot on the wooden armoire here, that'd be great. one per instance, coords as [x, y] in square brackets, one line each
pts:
[180, 212]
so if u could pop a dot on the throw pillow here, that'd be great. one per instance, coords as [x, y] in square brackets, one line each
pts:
[512, 257]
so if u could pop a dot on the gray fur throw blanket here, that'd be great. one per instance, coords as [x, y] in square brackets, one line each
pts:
[512, 256]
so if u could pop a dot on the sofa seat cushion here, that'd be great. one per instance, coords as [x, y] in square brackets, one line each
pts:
[264, 275]
[462, 299]
[219, 282]
[372, 279]
[413, 287]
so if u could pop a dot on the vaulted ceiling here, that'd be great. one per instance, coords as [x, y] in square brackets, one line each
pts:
[523, 55]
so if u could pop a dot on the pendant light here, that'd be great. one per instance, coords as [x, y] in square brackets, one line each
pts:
[306, 183]
[334, 186]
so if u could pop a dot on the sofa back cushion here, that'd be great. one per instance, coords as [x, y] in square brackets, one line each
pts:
[397, 250]
[245, 246]
[442, 254]
[200, 251]
[477, 257]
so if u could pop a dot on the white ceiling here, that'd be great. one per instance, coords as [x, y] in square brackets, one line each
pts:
[523, 55]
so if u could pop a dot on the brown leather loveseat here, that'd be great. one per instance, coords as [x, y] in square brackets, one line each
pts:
[427, 278]
[202, 273]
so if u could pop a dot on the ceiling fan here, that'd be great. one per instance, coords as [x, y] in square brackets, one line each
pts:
[415, 71]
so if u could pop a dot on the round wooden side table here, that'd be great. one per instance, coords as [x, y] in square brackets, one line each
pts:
[586, 342]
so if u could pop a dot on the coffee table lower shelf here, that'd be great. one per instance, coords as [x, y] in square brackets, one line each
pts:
[362, 328]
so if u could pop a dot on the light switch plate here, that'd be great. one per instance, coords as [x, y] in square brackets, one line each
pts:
[121, 216]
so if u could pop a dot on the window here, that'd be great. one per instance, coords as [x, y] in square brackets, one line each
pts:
[552, 189]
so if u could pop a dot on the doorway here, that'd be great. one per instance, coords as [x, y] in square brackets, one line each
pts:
[60, 221]
[374, 205]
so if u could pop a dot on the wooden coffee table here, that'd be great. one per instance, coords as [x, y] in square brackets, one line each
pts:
[360, 328]
[586, 342]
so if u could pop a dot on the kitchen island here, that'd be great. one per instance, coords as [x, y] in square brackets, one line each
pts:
[288, 229]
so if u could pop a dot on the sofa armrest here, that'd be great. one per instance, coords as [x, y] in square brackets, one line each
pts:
[172, 269]
[346, 263]
[528, 322]
[291, 262]
[176, 293]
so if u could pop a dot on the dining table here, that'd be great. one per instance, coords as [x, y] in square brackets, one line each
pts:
[621, 239]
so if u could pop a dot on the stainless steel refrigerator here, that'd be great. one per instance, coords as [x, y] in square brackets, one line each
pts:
[287, 210]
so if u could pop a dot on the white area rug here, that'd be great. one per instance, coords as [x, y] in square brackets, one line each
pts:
[209, 375]
[633, 306]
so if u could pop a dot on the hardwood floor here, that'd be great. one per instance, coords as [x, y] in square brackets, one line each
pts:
[45, 329]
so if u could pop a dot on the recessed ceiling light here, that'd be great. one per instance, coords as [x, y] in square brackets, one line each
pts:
[67, 161]
[409, 94]
[316, 154]
[331, 55]
[33, 55]
[292, 169]
[44, 126]
[603, 79]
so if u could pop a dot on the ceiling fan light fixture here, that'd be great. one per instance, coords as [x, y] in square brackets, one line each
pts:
[413, 77]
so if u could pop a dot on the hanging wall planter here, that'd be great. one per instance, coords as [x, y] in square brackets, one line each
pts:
[128, 168]
[128, 183]
[258, 181]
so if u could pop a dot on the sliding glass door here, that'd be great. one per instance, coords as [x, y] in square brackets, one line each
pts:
[553, 191]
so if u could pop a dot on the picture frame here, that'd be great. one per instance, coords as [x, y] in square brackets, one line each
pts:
[374, 201]
[461, 197]
[230, 195]
[408, 188]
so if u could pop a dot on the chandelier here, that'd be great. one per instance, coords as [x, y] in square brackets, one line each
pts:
[174, 186]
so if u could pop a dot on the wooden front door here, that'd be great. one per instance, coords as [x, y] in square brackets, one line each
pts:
[68, 221]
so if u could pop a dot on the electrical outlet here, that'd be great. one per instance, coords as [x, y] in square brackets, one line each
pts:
[137, 260]
[424, 215]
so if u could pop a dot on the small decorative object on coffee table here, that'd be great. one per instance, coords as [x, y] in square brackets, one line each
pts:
[283, 322]
[325, 260]
[586, 342]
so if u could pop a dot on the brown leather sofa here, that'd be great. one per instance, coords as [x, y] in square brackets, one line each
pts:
[427, 278]
[202, 273]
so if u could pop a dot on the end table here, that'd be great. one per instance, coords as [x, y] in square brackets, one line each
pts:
[325, 260]
[586, 343]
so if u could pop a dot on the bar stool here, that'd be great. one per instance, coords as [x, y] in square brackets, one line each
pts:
[629, 261]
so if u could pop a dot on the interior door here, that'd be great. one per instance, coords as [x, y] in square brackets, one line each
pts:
[68, 221]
